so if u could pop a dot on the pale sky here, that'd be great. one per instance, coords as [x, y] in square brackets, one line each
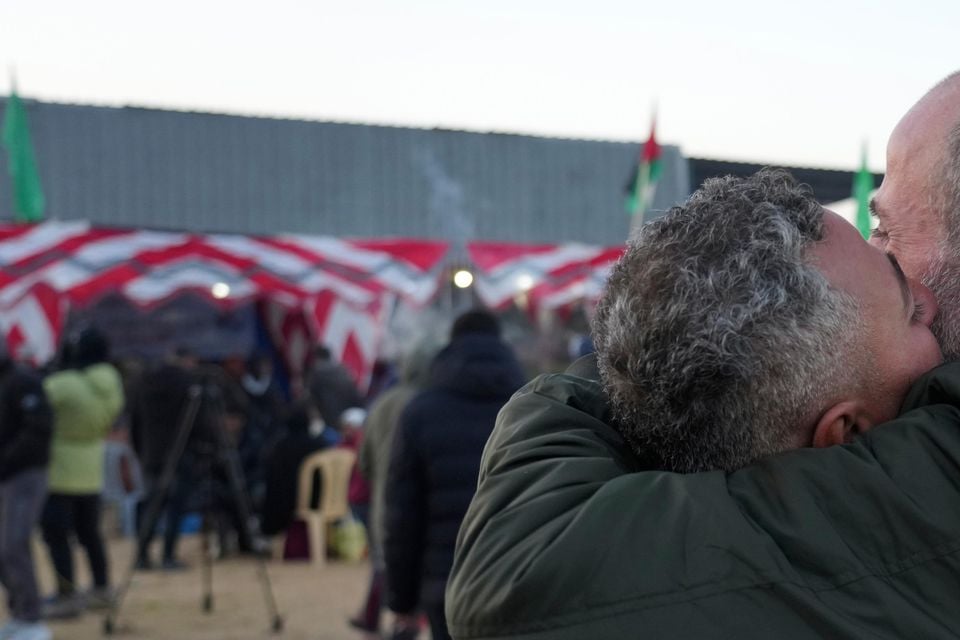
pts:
[797, 83]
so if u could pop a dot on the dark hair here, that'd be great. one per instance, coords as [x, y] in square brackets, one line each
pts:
[183, 351]
[89, 347]
[475, 321]
[321, 352]
[298, 416]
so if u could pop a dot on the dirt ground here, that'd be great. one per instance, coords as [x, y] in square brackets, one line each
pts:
[314, 602]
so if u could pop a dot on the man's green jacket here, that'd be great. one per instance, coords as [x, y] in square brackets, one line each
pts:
[568, 539]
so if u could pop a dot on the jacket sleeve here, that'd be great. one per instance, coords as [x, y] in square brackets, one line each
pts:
[405, 517]
[136, 420]
[365, 456]
[113, 400]
[33, 411]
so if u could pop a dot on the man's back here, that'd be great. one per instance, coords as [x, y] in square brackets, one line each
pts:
[434, 464]
[86, 401]
[157, 411]
[85, 404]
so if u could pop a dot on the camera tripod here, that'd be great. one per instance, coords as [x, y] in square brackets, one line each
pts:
[225, 456]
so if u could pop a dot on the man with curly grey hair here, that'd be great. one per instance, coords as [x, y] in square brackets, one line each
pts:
[748, 322]
[717, 338]
[725, 335]
[571, 535]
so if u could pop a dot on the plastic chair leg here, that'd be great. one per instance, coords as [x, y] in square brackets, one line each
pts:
[318, 543]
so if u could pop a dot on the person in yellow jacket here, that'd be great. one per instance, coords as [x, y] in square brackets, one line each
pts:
[86, 397]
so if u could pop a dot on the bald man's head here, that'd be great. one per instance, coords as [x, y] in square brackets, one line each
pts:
[944, 100]
[918, 204]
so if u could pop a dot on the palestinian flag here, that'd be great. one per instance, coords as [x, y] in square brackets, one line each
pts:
[643, 180]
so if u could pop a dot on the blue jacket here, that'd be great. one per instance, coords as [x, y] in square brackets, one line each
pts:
[434, 464]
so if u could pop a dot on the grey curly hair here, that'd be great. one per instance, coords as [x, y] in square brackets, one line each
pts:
[717, 341]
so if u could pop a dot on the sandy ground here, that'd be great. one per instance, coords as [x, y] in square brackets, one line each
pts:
[314, 602]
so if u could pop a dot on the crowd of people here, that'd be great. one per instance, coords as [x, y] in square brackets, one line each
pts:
[196, 428]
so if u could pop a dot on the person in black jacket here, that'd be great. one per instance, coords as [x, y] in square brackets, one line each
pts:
[156, 415]
[332, 387]
[283, 461]
[434, 464]
[26, 426]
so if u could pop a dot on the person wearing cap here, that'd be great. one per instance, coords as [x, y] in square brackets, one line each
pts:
[434, 464]
[26, 425]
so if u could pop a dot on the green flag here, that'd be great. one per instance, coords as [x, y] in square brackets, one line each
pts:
[862, 188]
[28, 201]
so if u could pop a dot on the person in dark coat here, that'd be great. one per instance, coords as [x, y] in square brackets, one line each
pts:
[434, 464]
[332, 387]
[155, 419]
[304, 435]
[264, 424]
[26, 427]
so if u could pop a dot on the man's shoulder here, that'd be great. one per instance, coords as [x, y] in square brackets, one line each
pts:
[24, 385]
[554, 403]
[940, 385]
[103, 373]
[20, 375]
[62, 382]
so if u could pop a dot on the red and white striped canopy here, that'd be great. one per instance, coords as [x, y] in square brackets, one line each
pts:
[46, 267]
[316, 288]
[548, 276]
[84, 263]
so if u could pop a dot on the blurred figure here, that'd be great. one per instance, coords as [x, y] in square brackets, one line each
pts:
[434, 464]
[383, 377]
[264, 425]
[156, 413]
[332, 387]
[283, 465]
[26, 425]
[351, 434]
[227, 408]
[86, 396]
[373, 460]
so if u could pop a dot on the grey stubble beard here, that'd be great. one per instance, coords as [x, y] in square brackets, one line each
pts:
[943, 279]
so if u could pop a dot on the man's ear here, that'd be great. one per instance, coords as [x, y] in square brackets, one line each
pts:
[840, 423]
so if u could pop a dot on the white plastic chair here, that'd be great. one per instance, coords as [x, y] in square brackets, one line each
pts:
[334, 466]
